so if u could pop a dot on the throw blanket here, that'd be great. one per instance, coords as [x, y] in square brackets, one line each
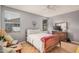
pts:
[45, 38]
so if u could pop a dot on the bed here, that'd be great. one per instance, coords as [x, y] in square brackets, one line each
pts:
[43, 41]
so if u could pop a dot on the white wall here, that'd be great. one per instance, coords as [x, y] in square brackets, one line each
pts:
[73, 23]
[26, 22]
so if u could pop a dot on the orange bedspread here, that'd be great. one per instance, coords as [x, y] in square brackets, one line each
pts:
[50, 41]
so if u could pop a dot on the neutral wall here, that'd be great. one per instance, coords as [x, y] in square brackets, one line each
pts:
[73, 23]
[25, 22]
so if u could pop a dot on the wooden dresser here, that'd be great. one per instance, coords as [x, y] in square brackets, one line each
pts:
[62, 35]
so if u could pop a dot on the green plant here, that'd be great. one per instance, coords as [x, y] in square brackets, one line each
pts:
[1, 38]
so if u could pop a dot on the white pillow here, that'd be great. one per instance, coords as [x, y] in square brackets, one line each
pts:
[14, 41]
[33, 31]
[8, 37]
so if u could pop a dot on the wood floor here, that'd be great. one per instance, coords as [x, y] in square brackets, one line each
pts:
[28, 48]
[65, 48]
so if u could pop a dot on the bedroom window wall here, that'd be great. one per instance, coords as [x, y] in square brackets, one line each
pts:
[9, 20]
[45, 25]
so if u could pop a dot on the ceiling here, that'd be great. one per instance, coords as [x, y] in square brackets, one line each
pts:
[46, 10]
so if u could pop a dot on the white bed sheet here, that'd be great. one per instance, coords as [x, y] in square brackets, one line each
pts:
[35, 39]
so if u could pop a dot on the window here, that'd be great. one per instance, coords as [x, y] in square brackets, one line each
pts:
[45, 25]
[11, 21]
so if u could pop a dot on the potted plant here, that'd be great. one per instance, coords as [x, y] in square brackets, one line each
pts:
[1, 38]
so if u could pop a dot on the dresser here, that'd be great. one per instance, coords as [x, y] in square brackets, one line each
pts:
[62, 35]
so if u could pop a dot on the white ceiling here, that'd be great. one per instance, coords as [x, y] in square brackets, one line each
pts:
[44, 11]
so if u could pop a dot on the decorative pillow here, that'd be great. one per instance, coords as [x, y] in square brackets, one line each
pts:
[8, 38]
[77, 50]
[33, 31]
[5, 44]
[14, 41]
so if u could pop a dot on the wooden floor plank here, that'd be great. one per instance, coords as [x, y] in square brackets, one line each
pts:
[65, 48]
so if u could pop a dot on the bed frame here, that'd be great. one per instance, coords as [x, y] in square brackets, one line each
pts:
[50, 43]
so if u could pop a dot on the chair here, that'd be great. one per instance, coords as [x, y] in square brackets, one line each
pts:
[2, 47]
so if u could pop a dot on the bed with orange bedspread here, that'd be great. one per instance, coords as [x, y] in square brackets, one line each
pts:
[50, 42]
[42, 41]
